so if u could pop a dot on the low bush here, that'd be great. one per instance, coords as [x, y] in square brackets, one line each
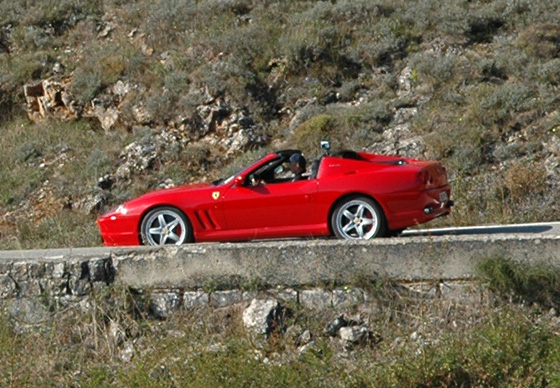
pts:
[541, 40]
[438, 69]
[65, 229]
[503, 351]
[102, 66]
[310, 133]
[73, 150]
[529, 284]
[420, 343]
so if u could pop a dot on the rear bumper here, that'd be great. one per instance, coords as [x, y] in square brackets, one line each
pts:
[421, 207]
[436, 208]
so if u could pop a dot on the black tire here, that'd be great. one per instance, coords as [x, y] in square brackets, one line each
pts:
[165, 225]
[358, 218]
[394, 233]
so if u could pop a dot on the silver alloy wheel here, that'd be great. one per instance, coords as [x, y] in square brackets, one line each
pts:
[164, 226]
[357, 220]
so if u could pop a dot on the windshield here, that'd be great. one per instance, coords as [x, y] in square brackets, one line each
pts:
[227, 180]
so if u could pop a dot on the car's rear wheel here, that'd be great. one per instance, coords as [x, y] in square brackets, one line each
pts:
[358, 218]
[165, 226]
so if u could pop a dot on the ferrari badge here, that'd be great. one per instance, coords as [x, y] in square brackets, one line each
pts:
[216, 195]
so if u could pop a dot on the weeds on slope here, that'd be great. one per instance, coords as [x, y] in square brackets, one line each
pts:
[424, 342]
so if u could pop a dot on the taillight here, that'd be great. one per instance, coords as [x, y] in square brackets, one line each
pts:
[425, 178]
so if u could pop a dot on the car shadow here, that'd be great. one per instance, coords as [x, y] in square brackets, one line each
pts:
[505, 229]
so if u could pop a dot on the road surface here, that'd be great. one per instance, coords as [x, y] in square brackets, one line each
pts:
[551, 228]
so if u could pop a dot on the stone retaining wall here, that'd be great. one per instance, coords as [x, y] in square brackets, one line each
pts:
[316, 274]
[319, 262]
[163, 302]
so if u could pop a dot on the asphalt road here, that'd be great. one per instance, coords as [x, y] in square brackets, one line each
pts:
[550, 228]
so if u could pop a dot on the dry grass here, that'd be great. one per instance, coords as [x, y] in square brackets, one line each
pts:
[423, 341]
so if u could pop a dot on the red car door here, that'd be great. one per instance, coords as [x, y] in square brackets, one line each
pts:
[272, 210]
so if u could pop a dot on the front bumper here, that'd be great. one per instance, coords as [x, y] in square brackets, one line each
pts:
[118, 230]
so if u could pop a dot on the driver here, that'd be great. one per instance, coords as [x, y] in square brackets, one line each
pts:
[297, 166]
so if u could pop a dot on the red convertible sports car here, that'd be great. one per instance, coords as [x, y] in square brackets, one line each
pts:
[351, 195]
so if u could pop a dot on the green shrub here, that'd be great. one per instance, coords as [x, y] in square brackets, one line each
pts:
[508, 99]
[525, 179]
[527, 283]
[541, 40]
[20, 70]
[86, 84]
[65, 229]
[102, 66]
[549, 72]
[309, 134]
[503, 351]
[79, 155]
[439, 69]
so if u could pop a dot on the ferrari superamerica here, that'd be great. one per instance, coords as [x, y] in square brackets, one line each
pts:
[349, 195]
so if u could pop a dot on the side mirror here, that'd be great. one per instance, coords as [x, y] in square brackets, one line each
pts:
[239, 180]
[326, 145]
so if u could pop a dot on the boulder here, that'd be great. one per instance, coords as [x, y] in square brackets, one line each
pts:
[163, 303]
[227, 298]
[356, 335]
[27, 311]
[334, 327]
[263, 316]
[50, 98]
[195, 299]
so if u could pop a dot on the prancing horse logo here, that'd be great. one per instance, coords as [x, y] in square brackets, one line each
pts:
[216, 195]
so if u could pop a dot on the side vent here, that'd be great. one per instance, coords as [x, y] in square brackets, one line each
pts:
[206, 219]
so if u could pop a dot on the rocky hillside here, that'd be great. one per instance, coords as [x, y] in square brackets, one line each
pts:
[103, 100]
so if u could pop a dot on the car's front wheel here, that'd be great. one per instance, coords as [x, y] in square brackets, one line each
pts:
[358, 218]
[165, 226]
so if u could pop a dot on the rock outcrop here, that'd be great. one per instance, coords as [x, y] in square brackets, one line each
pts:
[50, 98]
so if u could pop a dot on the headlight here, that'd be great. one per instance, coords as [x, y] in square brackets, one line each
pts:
[122, 210]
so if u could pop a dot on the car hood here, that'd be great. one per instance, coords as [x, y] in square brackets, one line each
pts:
[173, 190]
